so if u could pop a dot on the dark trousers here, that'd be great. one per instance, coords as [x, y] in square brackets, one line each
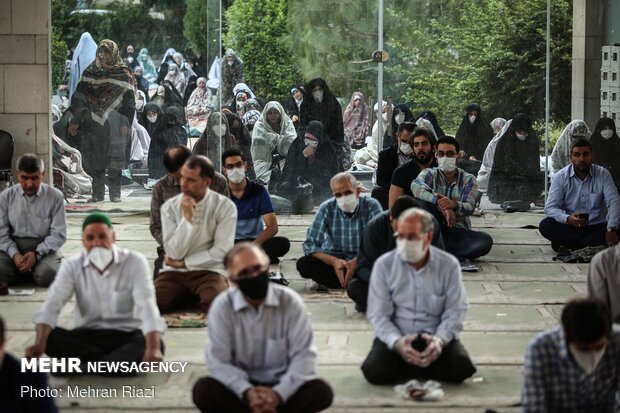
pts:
[159, 261]
[382, 195]
[275, 248]
[460, 242]
[357, 290]
[211, 396]
[114, 182]
[174, 289]
[317, 270]
[385, 366]
[97, 344]
[571, 237]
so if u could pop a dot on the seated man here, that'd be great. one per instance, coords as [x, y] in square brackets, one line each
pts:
[256, 219]
[391, 158]
[333, 239]
[198, 228]
[265, 363]
[377, 239]
[416, 305]
[168, 187]
[423, 144]
[574, 367]
[583, 207]
[117, 317]
[449, 193]
[12, 379]
[603, 281]
[33, 226]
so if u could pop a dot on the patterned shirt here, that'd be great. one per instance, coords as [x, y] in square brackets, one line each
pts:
[464, 190]
[554, 382]
[335, 233]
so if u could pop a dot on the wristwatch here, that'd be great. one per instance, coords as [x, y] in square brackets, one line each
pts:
[611, 229]
[38, 255]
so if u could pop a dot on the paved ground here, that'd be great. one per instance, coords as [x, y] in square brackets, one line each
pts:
[518, 292]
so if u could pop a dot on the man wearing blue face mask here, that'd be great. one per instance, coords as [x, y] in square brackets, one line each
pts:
[574, 367]
[117, 315]
[416, 305]
[260, 352]
[333, 239]
[450, 193]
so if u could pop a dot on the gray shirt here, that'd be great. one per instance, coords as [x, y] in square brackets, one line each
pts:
[39, 216]
[603, 280]
[272, 344]
[403, 300]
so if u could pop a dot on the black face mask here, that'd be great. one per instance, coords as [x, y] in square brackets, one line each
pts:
[255, 288]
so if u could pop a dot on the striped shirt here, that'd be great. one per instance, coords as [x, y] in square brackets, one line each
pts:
[335, 233]
[464, 190]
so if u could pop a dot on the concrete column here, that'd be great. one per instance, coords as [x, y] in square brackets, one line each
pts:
[25, 76]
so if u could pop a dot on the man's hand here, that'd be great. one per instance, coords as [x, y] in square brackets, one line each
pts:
[575, 221]
[408, 353]
[262, 399]
[445, 203]
[72, 129]
[351, 266]
[611, 238]
[18, 260]
[174, 263]
[340, 268]
[450, 217]
[29, 260]
[309, 151]
[152, 354]
[35, 351]
[187, 206]
[295, 118]
[432, 350]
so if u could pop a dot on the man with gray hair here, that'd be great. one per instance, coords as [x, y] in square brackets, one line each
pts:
[33, 226]
[416, 304]
[333, 239]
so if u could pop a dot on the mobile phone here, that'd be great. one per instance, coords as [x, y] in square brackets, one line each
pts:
[584, 215]
[419, 343]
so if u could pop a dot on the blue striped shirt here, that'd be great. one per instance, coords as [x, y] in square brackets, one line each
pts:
[335, 233]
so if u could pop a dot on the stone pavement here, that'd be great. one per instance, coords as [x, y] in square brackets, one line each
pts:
[518, 292]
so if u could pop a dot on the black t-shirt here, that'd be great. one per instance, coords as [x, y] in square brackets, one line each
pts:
[11, 382]
[406, 173]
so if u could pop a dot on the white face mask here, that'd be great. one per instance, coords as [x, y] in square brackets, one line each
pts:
[219, 130]
[139, 104]
[230, 62]
[400, 118]
[236, 175]
[607, 133]
[318, 95]
[521, 136]
[310, 142]
[587, 360]
[410, 251]
[405, 148]
[152, 118]
[348, 203]
[446, 164]
[472, 119]
[384, 115]
[100, 258]
[161, 91]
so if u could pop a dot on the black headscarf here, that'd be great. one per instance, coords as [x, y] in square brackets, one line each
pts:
[430, 116]
[191, 85]
[389, 140]
[606, 152]
[328, 111]
[152, 128]
[475, 137]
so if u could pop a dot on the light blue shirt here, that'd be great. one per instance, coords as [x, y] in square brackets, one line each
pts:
[403, 300]
[596, 195]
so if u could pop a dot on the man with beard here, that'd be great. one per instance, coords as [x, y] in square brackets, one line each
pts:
[391, 158]
[583, 207]
[423, 144]
[198, 229]
[260, 352]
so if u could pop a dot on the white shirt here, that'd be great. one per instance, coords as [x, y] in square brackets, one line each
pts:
[204, 242]
[403, 300]
[122, 298]
[271, 344]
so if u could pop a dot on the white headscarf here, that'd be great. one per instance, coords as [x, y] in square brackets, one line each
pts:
[84, 54]
[560, 156]
[487, 159]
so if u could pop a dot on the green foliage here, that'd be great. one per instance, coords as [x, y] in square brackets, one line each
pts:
[201, 27]
[256, 30]
[59, 58]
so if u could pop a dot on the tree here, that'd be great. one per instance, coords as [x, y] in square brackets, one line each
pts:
[256, 30]
[201, 27]
[59, 60]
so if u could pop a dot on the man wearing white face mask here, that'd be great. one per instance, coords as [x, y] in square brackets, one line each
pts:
[116, 316]
[256, 217]
[416, 305]
[333, 239]
[390, 159]
[574, 367]
[450, 193]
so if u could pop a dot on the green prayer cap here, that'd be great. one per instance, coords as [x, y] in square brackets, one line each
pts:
[97, 217]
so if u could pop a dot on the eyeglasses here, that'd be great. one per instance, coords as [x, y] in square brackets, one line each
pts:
[410, 237]
[249, 272]
[449, 154]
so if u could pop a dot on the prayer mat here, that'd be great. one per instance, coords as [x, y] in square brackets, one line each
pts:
[186, 320]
